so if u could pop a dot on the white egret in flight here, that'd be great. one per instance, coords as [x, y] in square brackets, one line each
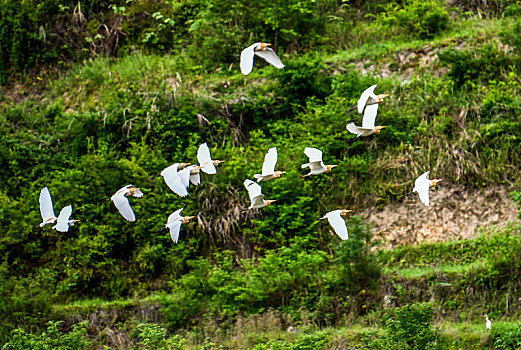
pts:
[63, 222]
[46, 207]
[268, 167]
[337, 222]
[121, 201]
[262, 50]
[316, 165]
[368, 103]
[206, 163]
[176, 177]
[256, 196]
[422, 185]
[47, 211]
[174, 222]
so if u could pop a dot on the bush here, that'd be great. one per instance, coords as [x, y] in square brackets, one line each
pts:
[506, 335]
[421, 19]
[52, 338]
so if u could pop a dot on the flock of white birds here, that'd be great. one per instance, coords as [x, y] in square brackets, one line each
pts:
[179, 175]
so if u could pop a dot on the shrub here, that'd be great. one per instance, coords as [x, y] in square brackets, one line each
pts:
[52, 338]
[421, 19]
[506, 335]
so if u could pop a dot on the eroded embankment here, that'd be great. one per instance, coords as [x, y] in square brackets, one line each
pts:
[455, 213]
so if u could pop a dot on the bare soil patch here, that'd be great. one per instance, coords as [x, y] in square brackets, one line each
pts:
[455, 213]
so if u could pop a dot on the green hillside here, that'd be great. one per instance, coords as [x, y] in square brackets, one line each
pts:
[100, 94]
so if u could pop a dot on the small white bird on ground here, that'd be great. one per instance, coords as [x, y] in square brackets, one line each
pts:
[176, 177]
[174, 222]
[488, 323]
[337, 222]
[368, 103]
[206, 163]
[316, 165]
[121, 201]
[256, 196]
[46, 207]
[268, 167]
[63, 222]
[262, 50]
[422, 185]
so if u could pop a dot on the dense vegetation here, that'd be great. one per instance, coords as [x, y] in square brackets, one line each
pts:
[100, 94]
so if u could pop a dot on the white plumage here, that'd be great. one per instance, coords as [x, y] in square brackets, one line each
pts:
[121, 202]
[268, 167]
[176, 180]
[46, 207]
[262, 50]
[256, 196]
[316, 165]
[368, 104]
[337, 222]
[63, 222]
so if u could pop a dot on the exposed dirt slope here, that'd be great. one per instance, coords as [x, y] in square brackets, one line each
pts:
[455, 213]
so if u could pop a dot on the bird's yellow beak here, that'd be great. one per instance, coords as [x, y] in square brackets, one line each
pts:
[269, 201]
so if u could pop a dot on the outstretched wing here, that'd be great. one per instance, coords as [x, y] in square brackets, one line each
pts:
[270, 160]
[247, 59]
[46, 208]
[174, 180]
[423, 178]
[362, 101]
[254, 189]
[63, 219]
[174, 216]
[205, 159]
[121, 202]
[270, 56]
[338, 223]
[369, 116]
[314, 154]
[175, 227]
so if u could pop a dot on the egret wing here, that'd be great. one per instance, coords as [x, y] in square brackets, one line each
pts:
[174, 216]
[63, 219]
[338, 223]
[362, 101]
[184, 176]
[423, 191]
[254, 189]
[271, 57]
[175, 227]
[314, 166]
[258, 201]
[205, 159]
[122, 204]
[270, 160]
[423, 178]
[46, 207]
[314, 154]
[369, 116]
[195, 179]
[247, 59]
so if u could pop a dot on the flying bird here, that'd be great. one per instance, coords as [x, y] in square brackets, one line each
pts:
[206, 163]
[268, 167]
[316, 165]
[174, 222]
[256, 196]
[368, 103]
[262, 50]
[195, 174]
[176, 177]
[337, 222]
[63, 221]
[46, 208]
[422, 185]
[121, 201]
